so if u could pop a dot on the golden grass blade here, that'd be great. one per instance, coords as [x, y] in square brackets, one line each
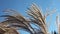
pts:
[36, 14]
[19, 18]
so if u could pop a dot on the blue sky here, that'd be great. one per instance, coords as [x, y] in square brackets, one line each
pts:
[22, 5]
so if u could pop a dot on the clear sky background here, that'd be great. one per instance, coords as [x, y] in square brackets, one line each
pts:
[22, 5]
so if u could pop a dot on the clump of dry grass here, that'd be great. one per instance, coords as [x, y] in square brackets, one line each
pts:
[16, 21]
[38, 17]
